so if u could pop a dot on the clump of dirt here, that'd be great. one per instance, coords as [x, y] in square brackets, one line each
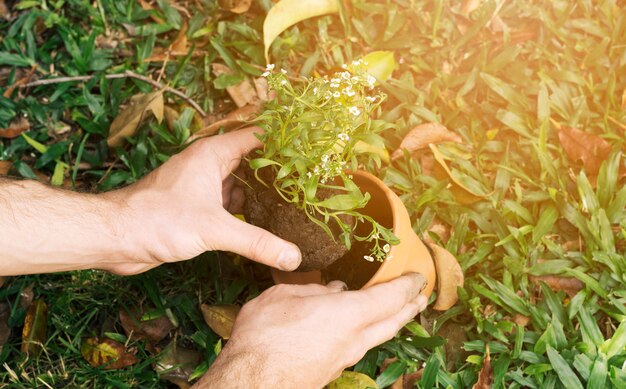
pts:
[266, 209]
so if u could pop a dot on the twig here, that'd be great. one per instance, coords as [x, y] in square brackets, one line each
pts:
[126, 74]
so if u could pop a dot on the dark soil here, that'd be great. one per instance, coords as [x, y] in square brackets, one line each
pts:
[266, 209]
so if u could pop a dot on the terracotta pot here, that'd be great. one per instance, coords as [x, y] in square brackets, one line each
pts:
[411, 255]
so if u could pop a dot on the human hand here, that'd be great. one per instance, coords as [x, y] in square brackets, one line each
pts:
[303, 336]
[180, 210]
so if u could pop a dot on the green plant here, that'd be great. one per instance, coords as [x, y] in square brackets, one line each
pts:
[315, 132]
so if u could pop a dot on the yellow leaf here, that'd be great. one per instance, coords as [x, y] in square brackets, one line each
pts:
[461, 192]
[107, 353]
[35, 328]
[362, 147]
[380, 64]
[353, 380]
[289, 12]
[220, 318]
[127, 122]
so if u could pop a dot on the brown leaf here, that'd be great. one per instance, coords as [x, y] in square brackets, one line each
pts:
[5, 166]
[220, 318]
[5, 13]
[591, 149]
[22, 81]
[107, 353]
[26, 296]
[236, 6]
[423, 135]
[153, 330]
[178, 47]
[176, 364]
[127, 122]
[569, 285]
[521, 320]
[234, 120]
[461, 192]
[353, 380]
[16, 127]
[243, 93]
[485, 378]
[35, 328]
[171, 115]
[449, 277]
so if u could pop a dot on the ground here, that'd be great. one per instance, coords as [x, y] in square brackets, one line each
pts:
[528, 196]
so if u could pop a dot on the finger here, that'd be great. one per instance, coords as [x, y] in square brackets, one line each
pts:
[337, 286]
[385, 300]
[227, 188]
[256, 244]
[234, 145]
[382, 331]
[237, 200]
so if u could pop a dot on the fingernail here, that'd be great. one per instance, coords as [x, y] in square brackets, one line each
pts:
[289, 259]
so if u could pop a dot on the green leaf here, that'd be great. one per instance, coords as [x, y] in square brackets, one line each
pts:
[15, 60]
[616, 344]
[391, 374]
[259, 163]
[344, 202]
[380, 64]
[563, 370]
[599, 373]
[545, 223]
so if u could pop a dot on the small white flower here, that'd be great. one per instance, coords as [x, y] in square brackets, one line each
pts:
[368, 258]
[355, 111]
[371, 80]
[283, 71]
[334, 85]
[337, 95]
[386, 248]
[370, 99]
[325, 158]
[270, 66]
[265, 74]
[315, 91]
[389, 257]
[283, 82]
[343, 136]
[349, 92]
[357, 63]
[354, 80]
[344, 66]
[309, 174]
[345, 75]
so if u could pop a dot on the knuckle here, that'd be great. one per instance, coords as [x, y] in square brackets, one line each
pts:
[258, 245]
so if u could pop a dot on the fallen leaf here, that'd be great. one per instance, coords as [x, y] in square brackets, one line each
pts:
[107, 353]
[236, 119]
[26, 296]
[569, 285]
[35, 328]
[153, 330]
[243, 93]
[22, 81]
[449, 277]
[15, 129]
[5, 330]
[236, 6]
[148, 7]
[176, 364]
[5, 166]
[485, 377]
[591, 149]
[170, 115]
[220, 318]
[286, 13]
[521, 319]
[380, 64]
[424, 135]
[4, 11]
[127, 122]
[353, 380]
[178, 47]
[463, 194]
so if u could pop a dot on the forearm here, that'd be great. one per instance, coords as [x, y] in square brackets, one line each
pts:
[48, 230]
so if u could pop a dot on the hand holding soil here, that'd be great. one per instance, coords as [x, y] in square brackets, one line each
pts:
[313, 330]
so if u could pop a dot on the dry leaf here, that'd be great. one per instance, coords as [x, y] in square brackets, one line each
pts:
[35, 328]
[220, 318]
[17, 127]
[449, 277]
[260, 84]
[286, 13]
[236, 6]
[485, 378]
[569, 285]
[236, 119]
[243, 93]
[521, 320]
[353, 380]
[127, 122]
[22, 81]
[107, 353]
[460, 191]
[5, 166]
[179, 47]
[170, 115]
[26, 296]
[424, 135]
[176, 364]
[591, 149]
[153, 330]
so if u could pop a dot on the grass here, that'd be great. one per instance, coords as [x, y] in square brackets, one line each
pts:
[505, 85]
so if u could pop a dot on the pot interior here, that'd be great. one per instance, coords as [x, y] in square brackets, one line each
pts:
[352, 268]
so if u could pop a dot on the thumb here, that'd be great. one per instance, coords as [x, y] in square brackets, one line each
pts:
[257, 244]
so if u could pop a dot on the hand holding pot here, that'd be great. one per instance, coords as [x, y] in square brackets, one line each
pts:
[181, 209]
[303, 336]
